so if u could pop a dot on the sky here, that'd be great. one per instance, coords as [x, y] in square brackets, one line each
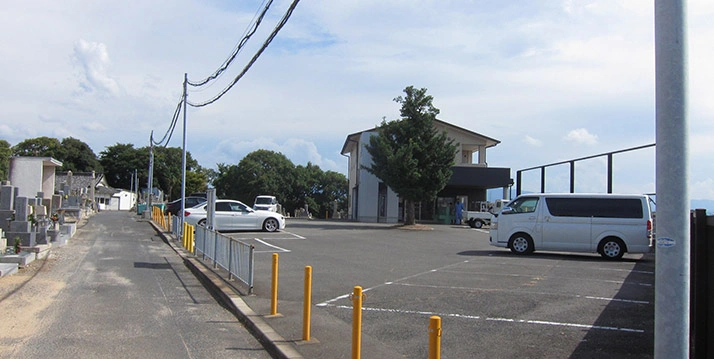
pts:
[552, 80]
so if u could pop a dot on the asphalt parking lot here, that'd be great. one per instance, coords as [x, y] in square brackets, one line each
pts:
[492, 303]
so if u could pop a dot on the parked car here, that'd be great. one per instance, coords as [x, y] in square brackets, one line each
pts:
[174, 207]
[265, 203]
[608, 224]
[199, 194]
[234, 215]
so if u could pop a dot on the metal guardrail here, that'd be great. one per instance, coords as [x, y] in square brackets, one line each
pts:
[228, 253]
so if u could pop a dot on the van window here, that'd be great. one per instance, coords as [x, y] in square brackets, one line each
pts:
[524, 205]
[617, 208]
[595, 207]
[265, 200]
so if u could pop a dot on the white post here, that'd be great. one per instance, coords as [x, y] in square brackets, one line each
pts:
[672, 270]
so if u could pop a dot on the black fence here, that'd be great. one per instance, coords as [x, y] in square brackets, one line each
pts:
[609, 155]
[702, 286]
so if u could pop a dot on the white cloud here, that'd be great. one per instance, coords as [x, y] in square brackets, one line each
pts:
[533, 141]
[93, 59]
[581, 136]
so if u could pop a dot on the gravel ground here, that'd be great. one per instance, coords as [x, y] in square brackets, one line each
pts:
[25, 295]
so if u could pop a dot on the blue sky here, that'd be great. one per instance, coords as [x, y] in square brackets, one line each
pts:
[552, 80]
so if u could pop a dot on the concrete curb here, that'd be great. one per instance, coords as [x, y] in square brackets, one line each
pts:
[275, 344]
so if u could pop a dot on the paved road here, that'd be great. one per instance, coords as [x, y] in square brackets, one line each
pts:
[492, 303]
[116, 291]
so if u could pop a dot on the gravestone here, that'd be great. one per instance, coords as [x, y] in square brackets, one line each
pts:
[7, 206]
[22, 226]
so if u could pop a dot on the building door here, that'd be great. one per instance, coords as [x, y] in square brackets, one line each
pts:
[382, 203]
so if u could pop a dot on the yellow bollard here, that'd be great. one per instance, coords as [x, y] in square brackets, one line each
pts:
[192, 231]
[185, 235]
[274, 287]
[357, 322]
[435, 337]
[307, 304]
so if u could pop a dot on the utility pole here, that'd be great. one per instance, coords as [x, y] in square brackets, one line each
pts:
[149, 201]
[183, 156]
[672, 268]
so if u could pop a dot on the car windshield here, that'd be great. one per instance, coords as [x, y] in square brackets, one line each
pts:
[263, 200]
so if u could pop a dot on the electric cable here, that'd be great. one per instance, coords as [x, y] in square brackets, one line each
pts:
[172, 126]
[236, 50]
[267, 42]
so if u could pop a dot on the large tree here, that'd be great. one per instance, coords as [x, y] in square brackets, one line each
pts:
[167, 172]
[409, 155]
[38, 147]
[121, 160]
[75, 155]
[272, 173]
[259, 172]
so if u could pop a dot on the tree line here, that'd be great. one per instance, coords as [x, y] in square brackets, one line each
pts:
[260, 172]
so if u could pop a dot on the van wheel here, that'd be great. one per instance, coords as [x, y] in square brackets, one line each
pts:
[612, 248]
[521, 243]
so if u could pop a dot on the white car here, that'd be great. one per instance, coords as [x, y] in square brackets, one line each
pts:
[234, 215]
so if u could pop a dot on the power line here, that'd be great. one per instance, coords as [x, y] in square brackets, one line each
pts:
[236, 50]
[280, 25]
[172, 126]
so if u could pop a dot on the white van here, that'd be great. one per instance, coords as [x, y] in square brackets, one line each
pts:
[265, 203]
[609, 224]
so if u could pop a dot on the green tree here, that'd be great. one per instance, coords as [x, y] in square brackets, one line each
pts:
[225, 181]
[319, 190]
[120, 161]
[38, 147]
[168, 172]
[271, 173]
[5, 154]
[409, 155]
[74, 154]
[77, 156]
[265, 172]
[333, 188]
[305, 185]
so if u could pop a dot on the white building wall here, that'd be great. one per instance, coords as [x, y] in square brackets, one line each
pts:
[32, 175]
[368, 196]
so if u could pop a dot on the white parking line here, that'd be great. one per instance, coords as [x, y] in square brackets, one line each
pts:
[292, 234]
[388, 283]
[270, 245]
[506, 320]
[631, 301]
[516, 275]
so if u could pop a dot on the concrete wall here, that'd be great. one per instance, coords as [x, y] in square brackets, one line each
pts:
[33, 174]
